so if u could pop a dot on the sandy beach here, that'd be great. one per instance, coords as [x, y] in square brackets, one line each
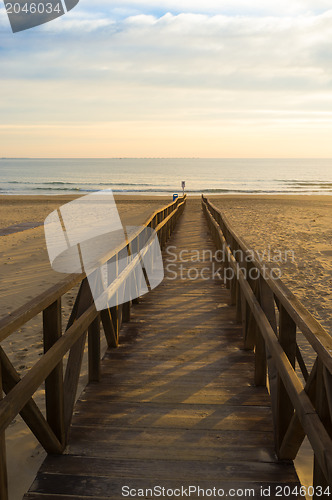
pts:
[295, 232]
[25, 272]
[299, 224]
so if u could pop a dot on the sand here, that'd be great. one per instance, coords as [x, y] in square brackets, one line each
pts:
[293, 234]
[302, 225]
[25, 272]
[297, 230]
[24, 265]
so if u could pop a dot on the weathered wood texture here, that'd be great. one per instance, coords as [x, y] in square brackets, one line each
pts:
[60, 388]
[176, 404]
[271, 316]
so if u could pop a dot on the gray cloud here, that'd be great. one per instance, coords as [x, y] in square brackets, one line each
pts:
[186, 66]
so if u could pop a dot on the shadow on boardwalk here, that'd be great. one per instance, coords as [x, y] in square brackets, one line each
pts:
[176, 405]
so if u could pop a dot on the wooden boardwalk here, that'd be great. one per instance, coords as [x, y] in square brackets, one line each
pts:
[176, 405]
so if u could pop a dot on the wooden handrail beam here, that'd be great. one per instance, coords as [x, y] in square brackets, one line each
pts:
[61, 391]
[23, 314]
[281, 347]
[318, 337]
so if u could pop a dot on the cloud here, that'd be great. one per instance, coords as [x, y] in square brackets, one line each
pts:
[185, 50]
[127, 61]
[211, 7]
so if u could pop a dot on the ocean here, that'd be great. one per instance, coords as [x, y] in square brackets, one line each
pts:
[164, 176]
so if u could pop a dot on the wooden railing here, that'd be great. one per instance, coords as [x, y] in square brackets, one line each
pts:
[85, 320]
[271, 317]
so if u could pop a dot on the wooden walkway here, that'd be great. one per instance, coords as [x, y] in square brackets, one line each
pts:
[176, 405]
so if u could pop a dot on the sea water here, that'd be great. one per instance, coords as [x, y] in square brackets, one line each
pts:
[164, 176]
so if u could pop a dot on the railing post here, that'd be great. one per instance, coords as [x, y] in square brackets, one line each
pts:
[248, 324]
[54, 388]
[250, 328]
[3, 459]
[287, 340]
[260, 360]
[115, 310]
[233, 291]
[163, 237]
[322, 409]
[238, 302]
[126, 306]
[94, 350]
[126, 312]
[289, 432]
[267, 304]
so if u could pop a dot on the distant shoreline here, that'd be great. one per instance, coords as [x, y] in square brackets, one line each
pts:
[162, 177]
[166, 158]
[166, 196]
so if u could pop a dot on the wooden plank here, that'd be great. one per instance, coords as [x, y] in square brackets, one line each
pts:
[167, 469]
[176, 402]
[54, 393]
[41, 496]
[180, 393]
[175, 416]
[101, 487]
[239, 374]
[154, 443]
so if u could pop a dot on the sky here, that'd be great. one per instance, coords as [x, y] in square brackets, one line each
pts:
[174, 78]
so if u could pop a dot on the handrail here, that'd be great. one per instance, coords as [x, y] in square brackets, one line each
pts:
[60, 388]
[318, 337]
[14, 320]
[271, 315]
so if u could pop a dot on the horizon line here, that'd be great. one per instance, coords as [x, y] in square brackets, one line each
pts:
[165, 158]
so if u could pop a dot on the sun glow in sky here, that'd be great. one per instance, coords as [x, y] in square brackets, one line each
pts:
[172, 78]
